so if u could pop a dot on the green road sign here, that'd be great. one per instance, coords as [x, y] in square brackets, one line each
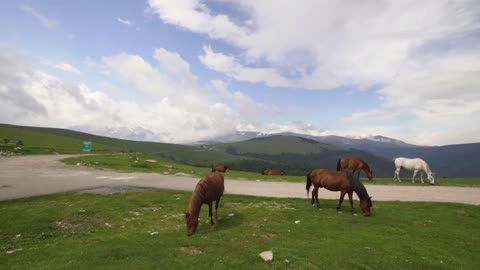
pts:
[86, 147]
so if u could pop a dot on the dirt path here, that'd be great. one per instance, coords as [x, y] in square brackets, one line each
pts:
[26, 176]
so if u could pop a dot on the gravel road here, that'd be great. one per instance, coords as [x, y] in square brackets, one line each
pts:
[26, 176]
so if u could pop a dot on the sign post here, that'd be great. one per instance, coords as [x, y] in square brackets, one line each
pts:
[86, 147]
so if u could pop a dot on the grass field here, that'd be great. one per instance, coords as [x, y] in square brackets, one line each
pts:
[37, 142]
[146, 230]
[137, 163]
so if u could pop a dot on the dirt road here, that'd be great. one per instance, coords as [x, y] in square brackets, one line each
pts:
[26, 176]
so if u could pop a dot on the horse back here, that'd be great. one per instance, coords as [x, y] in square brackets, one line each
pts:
[331, 180]
[211, 187]
[352, 163]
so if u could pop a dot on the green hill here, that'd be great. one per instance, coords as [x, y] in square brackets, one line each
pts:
[37, 141]
[276, 145]
[295, 155]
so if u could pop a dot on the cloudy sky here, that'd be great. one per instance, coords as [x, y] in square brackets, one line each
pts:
[188, 70]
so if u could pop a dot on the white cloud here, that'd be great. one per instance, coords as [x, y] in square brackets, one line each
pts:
[319, 44]
[123, 21]
[44, 20]
[423, 55]
[62, 66]
[195, 16]
[185, 114]
[230, 66]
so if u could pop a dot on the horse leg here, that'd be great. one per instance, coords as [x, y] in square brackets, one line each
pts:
[421, 177]
[414, 173]
[397, 173]
[216, 210]
[210, 214]
[315, 197]
[351, 201]
[342, 195]
[358, 176]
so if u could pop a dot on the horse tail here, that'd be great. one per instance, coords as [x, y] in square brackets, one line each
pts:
[309, 183]
[339, 165]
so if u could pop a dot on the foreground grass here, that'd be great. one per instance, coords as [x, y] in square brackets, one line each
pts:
[138, 163]
[145, 230]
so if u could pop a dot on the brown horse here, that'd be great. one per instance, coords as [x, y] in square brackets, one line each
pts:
[219, 168]
[339, 181]
[355, 164]
[208, 190]
[273, 172]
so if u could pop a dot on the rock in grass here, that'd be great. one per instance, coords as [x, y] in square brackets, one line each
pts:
[266, 255]
[13, 251]
[151, 161]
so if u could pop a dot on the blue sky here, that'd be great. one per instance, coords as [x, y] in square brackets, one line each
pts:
[182, 71]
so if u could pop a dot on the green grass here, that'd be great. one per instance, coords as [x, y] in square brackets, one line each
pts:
[38, 142]
[84, 231]
[137, 163]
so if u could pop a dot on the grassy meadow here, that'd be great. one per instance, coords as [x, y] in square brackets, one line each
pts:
[146, 230]
[138, 163]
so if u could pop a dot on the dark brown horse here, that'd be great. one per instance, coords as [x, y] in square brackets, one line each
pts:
[339, 181]
[356, 165]
[208, 190]
[273, 172]
[219, 168]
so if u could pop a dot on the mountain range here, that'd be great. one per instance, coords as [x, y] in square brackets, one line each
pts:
[252, 151]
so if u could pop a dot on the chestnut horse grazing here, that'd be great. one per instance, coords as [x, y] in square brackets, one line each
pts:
[219, 168]
[273, 172]
[355, 164]
[208, 190]
[339, 181]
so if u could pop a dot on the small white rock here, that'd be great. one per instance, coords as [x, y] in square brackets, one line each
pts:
[153, 233]
[297, 221]
[13, 250]
[266, 255]
[231, 214]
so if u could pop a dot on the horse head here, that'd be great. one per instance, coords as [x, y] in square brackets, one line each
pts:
[365, 205]
[431, 178]
[192, 223]
[370, 175]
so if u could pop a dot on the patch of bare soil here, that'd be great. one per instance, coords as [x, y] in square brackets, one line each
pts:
[190, 250]
[77, 221]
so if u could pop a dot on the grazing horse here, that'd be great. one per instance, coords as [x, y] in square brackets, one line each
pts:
[339, 181]
[273, 172]
[355, 164]
[413, 164]
[219, 168]
[208, 190]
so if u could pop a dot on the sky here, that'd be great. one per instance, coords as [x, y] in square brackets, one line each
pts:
[189, 70]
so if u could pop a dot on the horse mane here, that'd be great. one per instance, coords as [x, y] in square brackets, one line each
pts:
[427, 167]
[358, 187]
[366, 166]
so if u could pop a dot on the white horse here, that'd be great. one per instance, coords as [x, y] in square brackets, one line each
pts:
[415, 165]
